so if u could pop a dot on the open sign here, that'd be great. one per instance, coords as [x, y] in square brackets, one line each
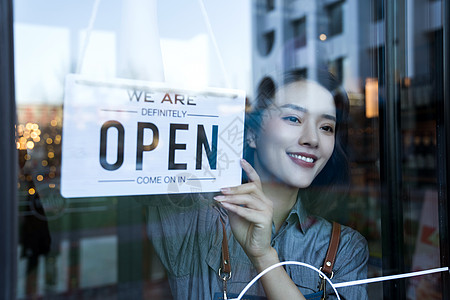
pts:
[125, 137]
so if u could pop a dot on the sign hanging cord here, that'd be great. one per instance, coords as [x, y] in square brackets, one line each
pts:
[214, 41]
[88, 35]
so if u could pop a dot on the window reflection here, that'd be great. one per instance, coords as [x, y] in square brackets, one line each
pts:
[335, 18]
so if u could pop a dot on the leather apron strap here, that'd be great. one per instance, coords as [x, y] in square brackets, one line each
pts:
[328, 264]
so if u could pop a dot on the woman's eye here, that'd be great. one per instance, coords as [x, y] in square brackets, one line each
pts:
[327, 128]
[292, 119]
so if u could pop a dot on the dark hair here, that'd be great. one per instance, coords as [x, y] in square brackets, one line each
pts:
[333, 180]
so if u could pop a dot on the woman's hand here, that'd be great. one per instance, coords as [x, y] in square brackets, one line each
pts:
[250, 213]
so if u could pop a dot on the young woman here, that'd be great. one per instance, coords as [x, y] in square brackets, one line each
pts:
[293, 136]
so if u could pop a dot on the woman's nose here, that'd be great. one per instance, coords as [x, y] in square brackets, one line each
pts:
[309, 135]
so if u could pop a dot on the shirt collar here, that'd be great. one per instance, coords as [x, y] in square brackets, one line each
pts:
[298, 215]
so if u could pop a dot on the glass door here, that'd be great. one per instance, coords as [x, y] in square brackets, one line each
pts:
[390, 58]
[413, 185]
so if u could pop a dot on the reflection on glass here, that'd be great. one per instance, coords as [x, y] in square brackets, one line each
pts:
[98, 247]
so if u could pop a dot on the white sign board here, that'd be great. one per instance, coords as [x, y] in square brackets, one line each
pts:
[126, 137]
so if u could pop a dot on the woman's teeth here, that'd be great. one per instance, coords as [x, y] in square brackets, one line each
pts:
[304, 158]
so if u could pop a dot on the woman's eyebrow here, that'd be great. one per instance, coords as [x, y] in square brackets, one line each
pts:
[304, 110]
[295, 107]
[329, 117]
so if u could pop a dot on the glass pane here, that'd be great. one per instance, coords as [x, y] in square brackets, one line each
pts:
[421, 91]
[318, 87]
[97, 247]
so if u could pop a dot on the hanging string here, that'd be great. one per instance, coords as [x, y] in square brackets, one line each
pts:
[298, 263]
[391, 277]
[88, 35]
[213, 39]
[341, 284]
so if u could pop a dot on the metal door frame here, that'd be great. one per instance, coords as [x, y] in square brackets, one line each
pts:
[8, 156]
[443, 142]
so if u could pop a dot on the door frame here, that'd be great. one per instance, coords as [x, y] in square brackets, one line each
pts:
[8, 156]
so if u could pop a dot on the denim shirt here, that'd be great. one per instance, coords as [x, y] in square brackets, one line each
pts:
[188, 241]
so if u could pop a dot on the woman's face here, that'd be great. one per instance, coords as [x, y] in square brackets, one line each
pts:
[297, 134]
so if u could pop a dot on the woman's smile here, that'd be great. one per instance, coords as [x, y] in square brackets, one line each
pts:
[303, 159]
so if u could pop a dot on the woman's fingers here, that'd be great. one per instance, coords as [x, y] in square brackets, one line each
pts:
[248, 214]
[251, 172]
[246, 188]
[247, 200]
[250, 188]
[254, 186]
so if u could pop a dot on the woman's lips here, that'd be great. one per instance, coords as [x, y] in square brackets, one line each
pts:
[303, 159]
